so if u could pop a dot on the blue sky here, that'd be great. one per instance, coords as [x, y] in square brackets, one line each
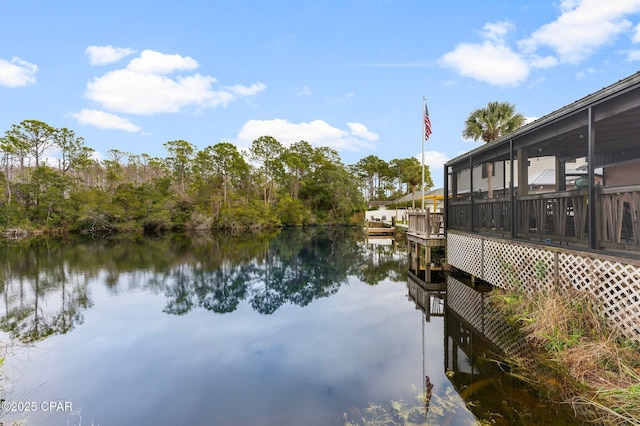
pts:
[349, 74]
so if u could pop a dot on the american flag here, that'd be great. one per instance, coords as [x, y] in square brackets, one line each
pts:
[427, 123]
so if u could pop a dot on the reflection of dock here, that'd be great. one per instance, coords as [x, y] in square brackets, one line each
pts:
[482, 320]
[479, 346]
[413, 279]
[429, 297]
[477, 340]
[381, 241]
[425, 236]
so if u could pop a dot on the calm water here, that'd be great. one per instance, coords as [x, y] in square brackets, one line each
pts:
[305, 328]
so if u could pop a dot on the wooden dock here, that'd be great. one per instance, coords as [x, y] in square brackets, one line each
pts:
[387, 232]
[426, 228]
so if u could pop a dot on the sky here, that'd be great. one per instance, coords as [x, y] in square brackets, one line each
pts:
[347, 74]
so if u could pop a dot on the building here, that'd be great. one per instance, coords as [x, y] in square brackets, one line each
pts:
[563, 205]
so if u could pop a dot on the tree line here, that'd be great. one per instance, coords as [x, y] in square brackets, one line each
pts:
[52, 180]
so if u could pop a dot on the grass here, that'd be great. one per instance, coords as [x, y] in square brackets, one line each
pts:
[600, 368]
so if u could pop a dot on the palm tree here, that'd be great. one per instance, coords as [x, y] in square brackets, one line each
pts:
[488, 124]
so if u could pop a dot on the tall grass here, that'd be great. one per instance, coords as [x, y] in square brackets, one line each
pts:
[599, 366]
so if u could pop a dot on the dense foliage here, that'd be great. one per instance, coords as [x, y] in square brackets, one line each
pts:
[51, 180]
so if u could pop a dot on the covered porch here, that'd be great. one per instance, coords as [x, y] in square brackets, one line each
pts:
[570, 178]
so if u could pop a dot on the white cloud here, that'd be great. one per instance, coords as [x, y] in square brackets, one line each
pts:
[497, 31]
[316, 132]
[147, 94]
[633, 55]
[104, 120]
[435, 160]
[582, 28]
[17, 72]
[360, 130]
[536, 61]
[489, 62]
[635, 38]
[145, 88]
[152, 62]
[101, 55]
[252, 90]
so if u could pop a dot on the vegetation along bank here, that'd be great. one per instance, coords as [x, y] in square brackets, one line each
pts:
[52, 180]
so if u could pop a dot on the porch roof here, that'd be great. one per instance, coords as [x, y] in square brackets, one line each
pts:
[616, 114]
[409, 197]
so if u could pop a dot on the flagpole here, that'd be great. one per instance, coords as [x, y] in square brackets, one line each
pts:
[424, 112]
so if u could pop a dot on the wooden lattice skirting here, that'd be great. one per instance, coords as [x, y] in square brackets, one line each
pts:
[512, 265]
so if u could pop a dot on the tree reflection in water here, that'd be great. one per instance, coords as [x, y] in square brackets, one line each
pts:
[295, 267]
[47, 286]
[42, 294]
[45, 281]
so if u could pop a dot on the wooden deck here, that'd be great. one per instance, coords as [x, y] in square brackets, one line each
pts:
[557, 217]
[375, 232]
[426, 228]
[576, 229]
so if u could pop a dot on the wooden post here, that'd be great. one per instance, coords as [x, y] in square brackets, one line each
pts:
[561, 175]
[512, 194]
[471, 192]
[523, 172]
[591, 139]
[445, 201]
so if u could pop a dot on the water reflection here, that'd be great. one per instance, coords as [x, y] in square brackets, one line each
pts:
[477, 344]
[429, 297]
[42, 296]
[211, 331]
[44, 282]
[221, 318]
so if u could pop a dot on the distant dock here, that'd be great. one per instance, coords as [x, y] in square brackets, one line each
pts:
[379, 230]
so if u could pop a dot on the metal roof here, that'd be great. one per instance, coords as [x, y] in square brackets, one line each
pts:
[409, 197]
[622, 110]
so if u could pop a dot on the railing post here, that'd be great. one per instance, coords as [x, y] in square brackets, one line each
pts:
[512, 195]
[427, 223]
[446, 200]
[472, 224]
[556, 271]
[591, 202]
[482, 240]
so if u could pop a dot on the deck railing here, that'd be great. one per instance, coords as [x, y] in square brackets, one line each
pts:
[493, 215]
[426, 223]
[559, 216]
[618, 214]
[555, 217]
[459, 214]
